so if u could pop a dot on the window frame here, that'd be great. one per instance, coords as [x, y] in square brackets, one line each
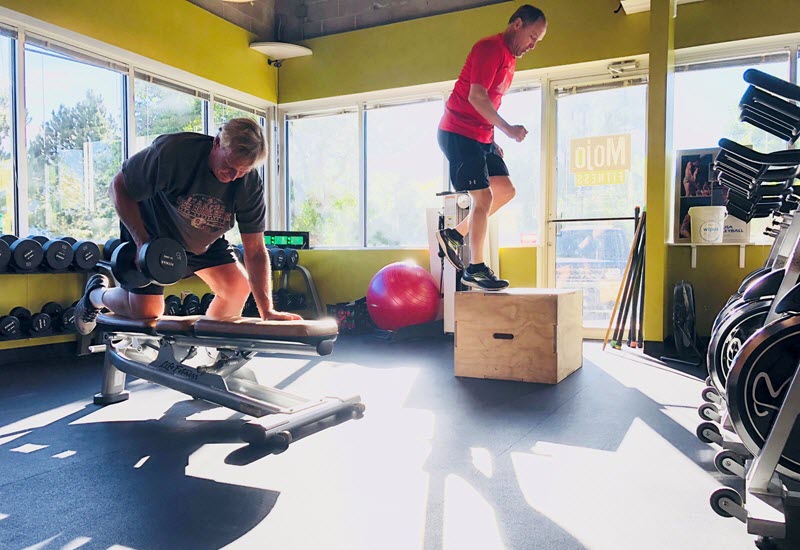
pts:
[130, 67]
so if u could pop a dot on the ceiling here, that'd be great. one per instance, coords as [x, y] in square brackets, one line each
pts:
[297, 20]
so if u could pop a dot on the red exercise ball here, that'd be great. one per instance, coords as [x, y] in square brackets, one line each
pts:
[402, 294]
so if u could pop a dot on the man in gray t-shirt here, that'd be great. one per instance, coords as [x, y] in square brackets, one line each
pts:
[190, 188]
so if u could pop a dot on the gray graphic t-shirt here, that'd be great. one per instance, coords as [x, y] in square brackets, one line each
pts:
[179, 197]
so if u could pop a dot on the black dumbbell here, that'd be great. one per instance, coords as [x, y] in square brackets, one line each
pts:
[297, 301]
[86, 254]
[37, 324]
[68, 319]
[191, 305]
[250, 307]
[205, 302]
[172, 305]
[5, 255]
[277, 257]
[56, 313]
[58, 254]
[292, 258]
[109, 247]
[162, 262]
[26, 254]
[238, 253]
[10, 327]
[280, 299]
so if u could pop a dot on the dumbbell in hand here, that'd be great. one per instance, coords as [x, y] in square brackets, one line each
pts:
[161, 261]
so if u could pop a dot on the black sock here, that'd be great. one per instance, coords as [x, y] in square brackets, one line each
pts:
[472, 268]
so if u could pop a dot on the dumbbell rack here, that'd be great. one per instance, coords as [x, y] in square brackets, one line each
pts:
[311, 288]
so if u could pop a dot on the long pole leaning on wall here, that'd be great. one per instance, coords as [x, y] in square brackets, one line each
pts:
[20, 139]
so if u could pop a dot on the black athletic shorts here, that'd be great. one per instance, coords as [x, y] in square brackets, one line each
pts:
[472, 163]
[219, 253]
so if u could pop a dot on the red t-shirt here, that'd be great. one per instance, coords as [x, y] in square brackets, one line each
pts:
[490, 64]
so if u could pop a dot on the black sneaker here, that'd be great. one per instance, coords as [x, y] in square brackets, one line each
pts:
[85, 313]
[483, 278]
[449, 242]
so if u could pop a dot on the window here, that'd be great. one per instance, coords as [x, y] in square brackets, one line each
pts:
[707, 108]
[75, 144]
[225, 110]
[323, 178]
[404, 171]
[6, 136]
[707, 103]
[520, 217]
[160, 108]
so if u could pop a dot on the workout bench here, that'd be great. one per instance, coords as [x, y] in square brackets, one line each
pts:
[165, 351]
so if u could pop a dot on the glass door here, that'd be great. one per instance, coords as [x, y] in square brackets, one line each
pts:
[599, 179]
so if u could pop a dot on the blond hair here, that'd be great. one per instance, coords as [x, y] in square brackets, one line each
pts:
[245, 139]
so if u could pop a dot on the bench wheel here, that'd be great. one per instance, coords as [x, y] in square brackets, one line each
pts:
[358, 410]
[281, 441]
[723, 499]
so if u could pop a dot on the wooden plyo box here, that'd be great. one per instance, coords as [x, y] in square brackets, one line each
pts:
[527, 334]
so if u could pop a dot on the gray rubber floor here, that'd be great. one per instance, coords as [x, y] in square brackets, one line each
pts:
[605, 460]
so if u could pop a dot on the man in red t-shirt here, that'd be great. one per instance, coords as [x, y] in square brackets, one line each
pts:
[466, 136]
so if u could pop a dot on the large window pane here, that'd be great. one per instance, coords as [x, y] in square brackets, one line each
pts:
[223, 113]
[6, 138]
[707, 107]
[404, 173]
[589, 119]
[74, 132]
[161, 110]
[520, 217]
[323, 178]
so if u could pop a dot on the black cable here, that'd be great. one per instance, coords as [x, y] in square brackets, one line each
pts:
[619, 8]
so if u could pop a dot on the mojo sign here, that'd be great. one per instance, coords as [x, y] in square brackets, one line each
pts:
[600, 160]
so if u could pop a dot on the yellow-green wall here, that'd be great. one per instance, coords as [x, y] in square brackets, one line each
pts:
[433, 49]
[174, 32]
[715, 278]
[344, 275]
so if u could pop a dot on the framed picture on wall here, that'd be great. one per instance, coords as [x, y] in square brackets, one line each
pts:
[696, 184]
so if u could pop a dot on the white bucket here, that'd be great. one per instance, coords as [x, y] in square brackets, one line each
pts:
[708, 223]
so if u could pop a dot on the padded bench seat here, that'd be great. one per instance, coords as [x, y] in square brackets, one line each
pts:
[245, 328]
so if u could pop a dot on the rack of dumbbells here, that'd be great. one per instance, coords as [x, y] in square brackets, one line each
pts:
[286, 261]
[752, 396]
[40, 254]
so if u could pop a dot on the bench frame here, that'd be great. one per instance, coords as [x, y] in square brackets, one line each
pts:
[162, 359]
